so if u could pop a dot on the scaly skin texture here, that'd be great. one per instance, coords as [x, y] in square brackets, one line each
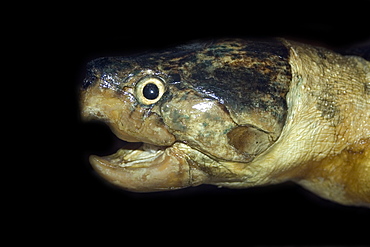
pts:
[236, 113]
[334, 111]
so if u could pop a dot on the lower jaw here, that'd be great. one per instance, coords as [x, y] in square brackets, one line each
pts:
[149, 168]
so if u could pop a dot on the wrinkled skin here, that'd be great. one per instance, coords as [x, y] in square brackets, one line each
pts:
[236, 113]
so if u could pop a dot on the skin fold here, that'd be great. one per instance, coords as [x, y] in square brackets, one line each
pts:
[235, 113]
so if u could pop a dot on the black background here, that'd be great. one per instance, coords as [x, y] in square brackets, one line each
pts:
[92, 210]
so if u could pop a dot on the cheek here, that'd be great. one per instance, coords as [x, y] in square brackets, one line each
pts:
[152, 130]
[140, 124]
[202, 124]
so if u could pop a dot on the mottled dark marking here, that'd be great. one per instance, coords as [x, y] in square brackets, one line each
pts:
[241, 87]
[326, 102]
[258, 76]
[321, 53]
[328, 107]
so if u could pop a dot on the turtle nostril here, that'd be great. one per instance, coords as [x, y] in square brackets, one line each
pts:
[90, 78]
[86, 83]
[95, 70]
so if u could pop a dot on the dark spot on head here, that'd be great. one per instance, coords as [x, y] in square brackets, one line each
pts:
[174, 78]
[321, 54]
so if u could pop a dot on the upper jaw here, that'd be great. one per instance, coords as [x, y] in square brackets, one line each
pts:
[125, 118]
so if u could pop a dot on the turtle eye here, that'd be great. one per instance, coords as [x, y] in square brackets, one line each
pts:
[149, 90]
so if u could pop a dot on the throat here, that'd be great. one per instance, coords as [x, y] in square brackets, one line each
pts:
[344, 177]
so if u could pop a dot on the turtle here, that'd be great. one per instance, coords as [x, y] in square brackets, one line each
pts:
[235, 113]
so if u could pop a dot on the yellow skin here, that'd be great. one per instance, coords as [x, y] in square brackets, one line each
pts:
[321, 140]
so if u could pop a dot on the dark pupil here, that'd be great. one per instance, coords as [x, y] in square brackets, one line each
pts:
[150, 91]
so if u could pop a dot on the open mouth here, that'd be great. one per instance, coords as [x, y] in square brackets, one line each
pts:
[135, 156]
[143, 167]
